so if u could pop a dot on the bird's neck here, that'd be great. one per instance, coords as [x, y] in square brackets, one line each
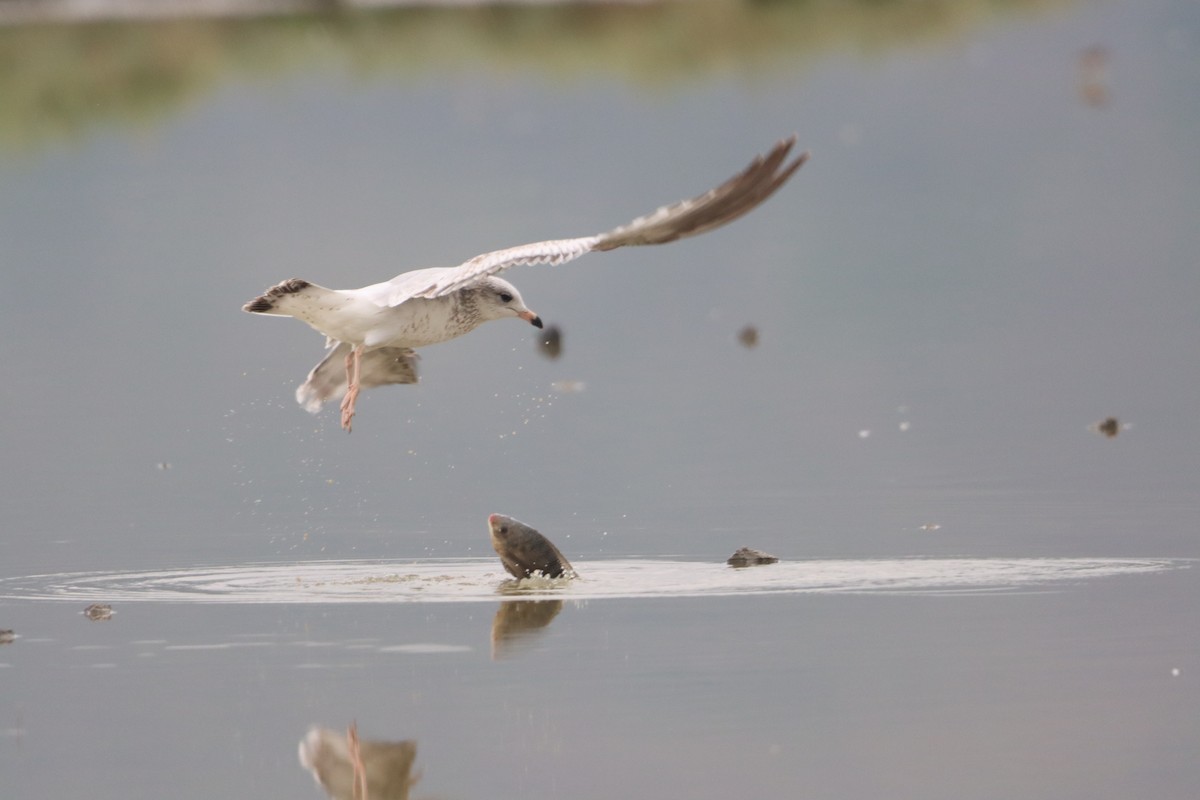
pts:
[465, 312]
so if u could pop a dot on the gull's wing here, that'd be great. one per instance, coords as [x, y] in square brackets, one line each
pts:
[727, 202]
[377, 367]
[404, 286]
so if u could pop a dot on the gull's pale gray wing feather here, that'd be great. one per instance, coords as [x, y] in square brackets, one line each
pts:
[727, 202]
[404, 286]
[378, 367]
[555, 252]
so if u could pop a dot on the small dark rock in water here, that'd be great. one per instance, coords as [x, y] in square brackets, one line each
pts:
[98, 612]
[748, 557]
[1109, 427]
[550, 342]
[748, 336]
[7, 637]
[524, 551]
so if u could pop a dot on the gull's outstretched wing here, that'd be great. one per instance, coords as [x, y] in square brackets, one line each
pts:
[727, 202]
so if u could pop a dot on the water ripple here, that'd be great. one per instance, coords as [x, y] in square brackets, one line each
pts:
[466, 580]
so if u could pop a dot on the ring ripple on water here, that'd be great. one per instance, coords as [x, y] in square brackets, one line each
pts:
[476, 580]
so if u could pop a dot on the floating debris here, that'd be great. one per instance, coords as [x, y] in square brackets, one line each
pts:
[525, 552]
[568, 387]
[7, 637]
[749, 557]
[748, 336]
[550, 342]
[98, 612]
[930, 526]
[163, 466]
[1109, 427]
[864, 433]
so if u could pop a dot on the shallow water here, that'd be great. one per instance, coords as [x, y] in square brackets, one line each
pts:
[991, 251]
[1067, 690]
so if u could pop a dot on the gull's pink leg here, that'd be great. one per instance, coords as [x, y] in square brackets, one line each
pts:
[356, 762]
[353, 365]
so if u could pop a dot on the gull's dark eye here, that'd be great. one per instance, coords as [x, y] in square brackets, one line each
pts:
[506, 297]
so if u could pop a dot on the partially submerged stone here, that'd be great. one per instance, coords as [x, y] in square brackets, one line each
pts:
[749, 557]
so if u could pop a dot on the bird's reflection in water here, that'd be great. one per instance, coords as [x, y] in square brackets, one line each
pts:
[519, 623]
[350, 769]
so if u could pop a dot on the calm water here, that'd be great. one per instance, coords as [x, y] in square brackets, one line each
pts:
[992, 249]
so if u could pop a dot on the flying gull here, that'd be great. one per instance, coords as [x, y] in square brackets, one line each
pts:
[374, 331]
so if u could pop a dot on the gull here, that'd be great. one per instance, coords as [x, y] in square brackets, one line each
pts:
[374, 331]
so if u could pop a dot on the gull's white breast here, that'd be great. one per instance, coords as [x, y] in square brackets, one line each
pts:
[418, 322]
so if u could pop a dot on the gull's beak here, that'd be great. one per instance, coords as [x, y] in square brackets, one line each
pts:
[532, 318]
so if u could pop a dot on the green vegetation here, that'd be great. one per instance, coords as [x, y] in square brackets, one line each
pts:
[61, 80]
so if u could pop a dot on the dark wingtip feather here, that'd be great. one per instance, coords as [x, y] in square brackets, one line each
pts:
[264, 303]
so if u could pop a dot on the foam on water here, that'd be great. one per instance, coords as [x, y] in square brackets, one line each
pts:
[442, 580]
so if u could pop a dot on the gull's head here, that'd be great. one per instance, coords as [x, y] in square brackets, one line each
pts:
[497, 298]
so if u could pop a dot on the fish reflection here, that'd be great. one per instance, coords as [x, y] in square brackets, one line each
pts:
[350, 769]
[519, 624]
